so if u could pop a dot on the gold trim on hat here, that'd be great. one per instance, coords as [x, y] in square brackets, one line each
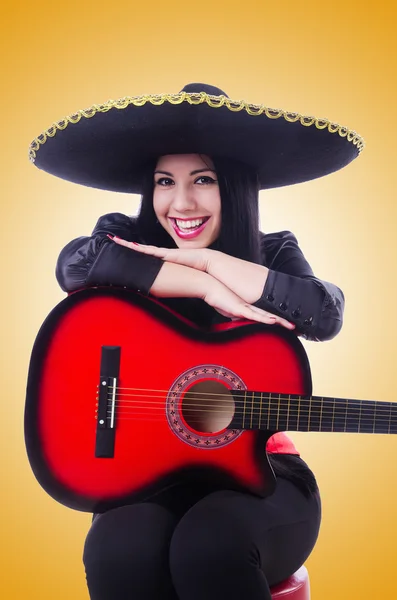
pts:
[195, 98]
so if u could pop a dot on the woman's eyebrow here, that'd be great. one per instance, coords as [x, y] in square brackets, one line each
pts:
[201, 171]
[192, 173]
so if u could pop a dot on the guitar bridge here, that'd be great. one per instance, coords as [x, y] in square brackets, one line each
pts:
[106, 420]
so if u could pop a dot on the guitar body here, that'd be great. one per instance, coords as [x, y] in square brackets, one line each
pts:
[156, 419]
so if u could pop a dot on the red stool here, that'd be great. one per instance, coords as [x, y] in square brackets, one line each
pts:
[296, 587]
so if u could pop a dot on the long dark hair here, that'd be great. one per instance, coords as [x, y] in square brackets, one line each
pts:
[239, 190]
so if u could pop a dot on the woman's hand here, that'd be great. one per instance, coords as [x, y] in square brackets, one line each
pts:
[218, 295]
[228, 304]
[195, 258]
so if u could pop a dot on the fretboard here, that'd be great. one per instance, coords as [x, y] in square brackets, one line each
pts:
[280, 412]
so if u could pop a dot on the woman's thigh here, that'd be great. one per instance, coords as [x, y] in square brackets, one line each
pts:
[244, 543]
[126, 553]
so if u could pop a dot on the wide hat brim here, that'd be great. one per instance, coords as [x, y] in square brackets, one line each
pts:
[106, 146]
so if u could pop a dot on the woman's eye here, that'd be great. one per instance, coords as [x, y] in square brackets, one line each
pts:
[164, 181]
[167, 181]
[205, 179]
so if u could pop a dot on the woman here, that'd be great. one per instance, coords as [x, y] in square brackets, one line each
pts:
[196, 245]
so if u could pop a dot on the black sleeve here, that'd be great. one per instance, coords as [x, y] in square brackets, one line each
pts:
[96, 260]
[293, 292]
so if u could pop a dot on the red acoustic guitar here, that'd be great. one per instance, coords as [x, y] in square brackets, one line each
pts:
[125, 398]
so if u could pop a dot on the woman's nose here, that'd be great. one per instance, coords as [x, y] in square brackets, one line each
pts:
[183, 199]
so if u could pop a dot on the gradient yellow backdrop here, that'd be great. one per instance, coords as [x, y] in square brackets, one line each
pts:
[332, 60]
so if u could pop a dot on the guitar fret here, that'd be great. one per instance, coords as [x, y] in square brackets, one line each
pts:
[308, 421]
[327, 415]
[304, 415]
[252, 409]
[278, 412]
[272, 419]
[295, 409]
[297, 422]
[367, 417]
[316, 413]
[339, 416]
[393, 422]
[313, 408]
[293, 412]
[352, 424]
[321, 414]
[390, 412]
[282, 413]
[260, 410]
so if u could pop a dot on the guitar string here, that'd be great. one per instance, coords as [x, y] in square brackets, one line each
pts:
[252, 407]
[365, 422]
[272, 417]
[260, 404]
[134, 389]
[324, 428]
[159, 406]
[330, 428]
[265, 396]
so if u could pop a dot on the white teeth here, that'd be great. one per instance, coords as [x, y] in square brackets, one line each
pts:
[189, 224]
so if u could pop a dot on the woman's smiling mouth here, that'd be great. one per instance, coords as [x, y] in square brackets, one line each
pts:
[189, 228]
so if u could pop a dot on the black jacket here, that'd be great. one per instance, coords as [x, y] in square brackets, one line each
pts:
[291, 290]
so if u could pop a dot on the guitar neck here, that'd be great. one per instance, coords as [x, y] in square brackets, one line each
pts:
[280, 412]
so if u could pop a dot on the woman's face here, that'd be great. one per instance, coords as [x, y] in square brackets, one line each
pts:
[186, 199]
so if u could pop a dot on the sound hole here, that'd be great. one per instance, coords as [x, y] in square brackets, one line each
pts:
[208, 406]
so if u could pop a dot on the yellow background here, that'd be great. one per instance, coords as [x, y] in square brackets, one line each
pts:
[332, 60]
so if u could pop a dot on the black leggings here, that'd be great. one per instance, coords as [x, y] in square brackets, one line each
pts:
[227, 545]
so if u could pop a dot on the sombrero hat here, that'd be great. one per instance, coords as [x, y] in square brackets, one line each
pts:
[107, 145]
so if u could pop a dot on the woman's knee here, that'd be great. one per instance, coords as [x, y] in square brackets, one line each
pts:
[130, 541]
[210, 534]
